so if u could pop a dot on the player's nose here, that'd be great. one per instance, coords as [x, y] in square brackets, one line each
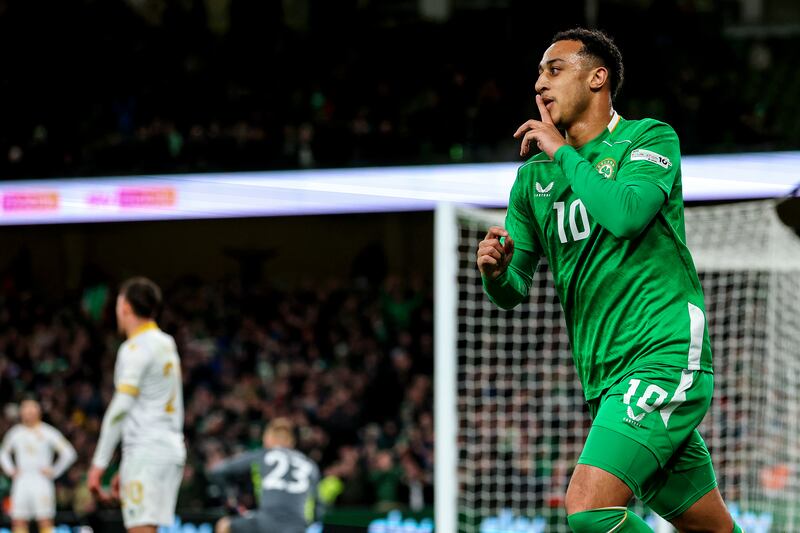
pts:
[541, 84]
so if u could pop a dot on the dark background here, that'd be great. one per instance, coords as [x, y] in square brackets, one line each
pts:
[97, 87]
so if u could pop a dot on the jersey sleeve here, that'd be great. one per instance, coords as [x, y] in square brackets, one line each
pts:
[111, 428]
[131, 364]
[626, 205]
[519, 219]
[239, 465]
[66, 452]
[654, 157]
[5, 452]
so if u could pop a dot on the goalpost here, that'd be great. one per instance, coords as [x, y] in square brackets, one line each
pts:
[510, 416]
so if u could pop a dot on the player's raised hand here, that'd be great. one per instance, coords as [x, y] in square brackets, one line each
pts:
[543, 132]
[493, 256]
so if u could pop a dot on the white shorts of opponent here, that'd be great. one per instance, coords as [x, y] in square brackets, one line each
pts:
[33, 497]
[148, 490]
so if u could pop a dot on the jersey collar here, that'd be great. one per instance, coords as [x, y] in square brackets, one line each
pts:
[613, 123]
[147, 326]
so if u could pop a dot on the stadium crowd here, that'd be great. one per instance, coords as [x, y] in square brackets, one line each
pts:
[348, 361]
[151, 86]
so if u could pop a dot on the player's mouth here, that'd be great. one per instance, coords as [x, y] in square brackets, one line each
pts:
[548, 102]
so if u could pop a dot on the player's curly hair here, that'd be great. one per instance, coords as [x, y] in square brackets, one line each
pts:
[600, 46]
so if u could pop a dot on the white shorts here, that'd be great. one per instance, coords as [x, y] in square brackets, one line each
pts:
[148, 490]
[33, 497]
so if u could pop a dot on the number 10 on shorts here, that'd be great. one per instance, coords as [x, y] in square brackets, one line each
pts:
[653, 398]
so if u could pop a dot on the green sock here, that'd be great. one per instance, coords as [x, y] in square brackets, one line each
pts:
[618, 519]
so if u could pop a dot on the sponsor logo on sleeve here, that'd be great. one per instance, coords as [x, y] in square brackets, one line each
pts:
[653, 157]
[543, 191]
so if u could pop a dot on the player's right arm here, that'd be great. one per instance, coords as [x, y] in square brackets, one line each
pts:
[5, 454]
[110, 435]
[507, 267]
[128, 377]
[235, 467]
[507, 274]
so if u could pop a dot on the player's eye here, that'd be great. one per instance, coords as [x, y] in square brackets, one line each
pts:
[554, 70]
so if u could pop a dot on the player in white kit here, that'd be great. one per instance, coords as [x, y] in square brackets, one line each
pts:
[146, 412]
[33, 444]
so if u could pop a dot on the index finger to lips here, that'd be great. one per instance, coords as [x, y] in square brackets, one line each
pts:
[543, 110]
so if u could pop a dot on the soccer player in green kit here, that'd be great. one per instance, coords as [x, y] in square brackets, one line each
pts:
[603, 203]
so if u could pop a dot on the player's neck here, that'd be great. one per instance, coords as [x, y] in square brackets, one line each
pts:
[589, 125]
[139, 325]
[32, 425]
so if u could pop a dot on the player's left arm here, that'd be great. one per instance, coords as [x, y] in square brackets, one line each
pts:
[66, 453]
[626, 205]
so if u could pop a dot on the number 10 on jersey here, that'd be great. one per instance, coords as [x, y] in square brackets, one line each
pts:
[575, 208]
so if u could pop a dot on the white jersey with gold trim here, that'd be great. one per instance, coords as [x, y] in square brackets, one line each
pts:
[34, 449]
[148, 368]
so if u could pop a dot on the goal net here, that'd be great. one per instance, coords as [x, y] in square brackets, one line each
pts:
[518, 416]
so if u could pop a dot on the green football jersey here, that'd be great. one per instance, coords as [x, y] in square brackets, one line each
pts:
[628, 302]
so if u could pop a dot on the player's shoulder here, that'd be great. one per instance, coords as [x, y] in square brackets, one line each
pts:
[161, 340]
[296, 453]
[51, 431]
[133, 353]
[302, 455]
[644, 127]
[16, 429]
[534, 164]
[147, 342]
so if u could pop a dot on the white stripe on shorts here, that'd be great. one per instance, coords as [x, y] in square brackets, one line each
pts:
[697, 327]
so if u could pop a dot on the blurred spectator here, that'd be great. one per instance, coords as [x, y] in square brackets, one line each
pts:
[110, 88]
[311, 354]
[385, 477]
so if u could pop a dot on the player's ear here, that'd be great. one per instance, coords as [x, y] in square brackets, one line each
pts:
[598, 79]
[125, 306]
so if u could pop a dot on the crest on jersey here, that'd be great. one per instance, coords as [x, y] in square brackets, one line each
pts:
[607, 168]
[543, 191]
